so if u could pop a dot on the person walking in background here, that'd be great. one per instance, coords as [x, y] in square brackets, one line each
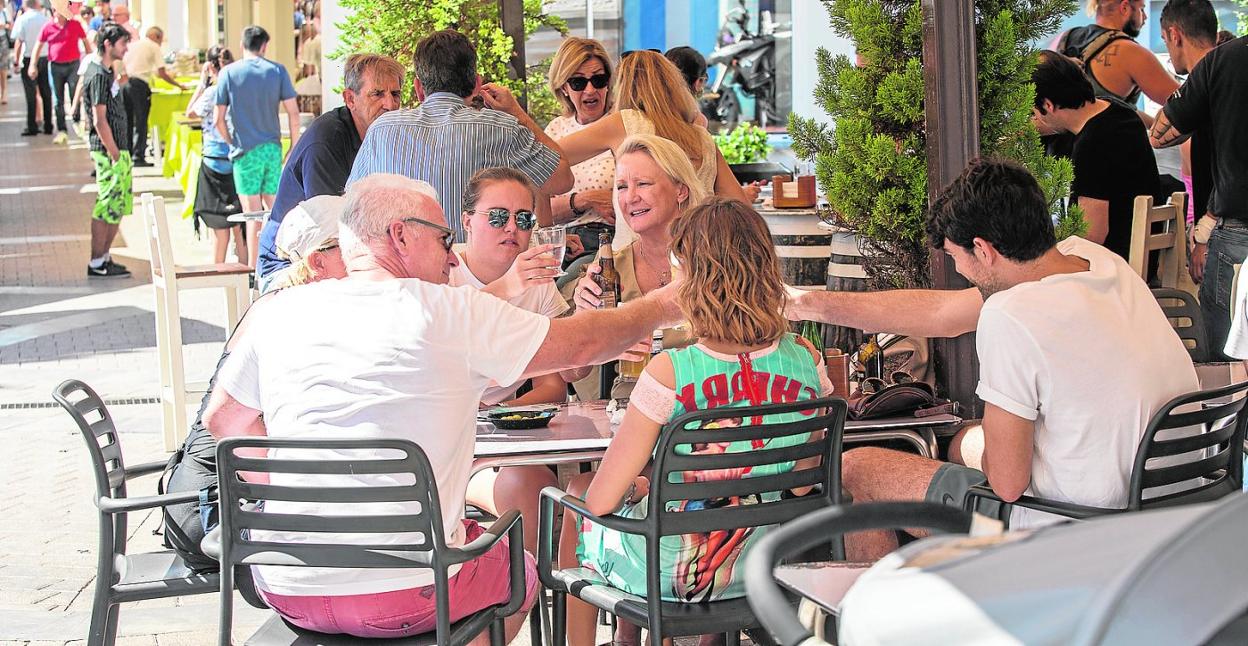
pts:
[6, 51]
[66, 42]
[216, 199]
[250, 93]
[26, 30]
[109, 150]
[143, 59]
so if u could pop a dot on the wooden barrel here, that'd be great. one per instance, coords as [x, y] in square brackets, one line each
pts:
[802, 245]
[844, 274]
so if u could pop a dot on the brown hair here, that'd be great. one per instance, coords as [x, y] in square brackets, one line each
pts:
[487, 176]
[574, 52]
[732, 290]
[644, 82]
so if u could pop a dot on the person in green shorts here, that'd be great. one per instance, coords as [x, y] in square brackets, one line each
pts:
[110, 150]
[251, 91]
[732, 294]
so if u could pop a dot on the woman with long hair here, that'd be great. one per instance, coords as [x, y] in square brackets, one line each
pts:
[732, 294]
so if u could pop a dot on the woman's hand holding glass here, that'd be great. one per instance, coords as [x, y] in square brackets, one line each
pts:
[532, 267]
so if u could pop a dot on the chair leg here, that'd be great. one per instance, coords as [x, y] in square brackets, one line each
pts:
[559, 618]
[498, 634]
[535, 623]
[232, 310]
[732, 639]
[98, 634]
[111, 631]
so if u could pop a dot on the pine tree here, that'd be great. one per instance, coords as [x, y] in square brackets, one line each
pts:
[873, 163]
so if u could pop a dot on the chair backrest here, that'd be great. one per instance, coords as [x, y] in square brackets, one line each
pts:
[104, 446]
[158, 241]
[1164, 229]
[1184, 314]
[1205, 456]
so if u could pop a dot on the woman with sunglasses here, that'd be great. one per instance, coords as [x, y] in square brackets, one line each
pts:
[498, 220]
[580, 78]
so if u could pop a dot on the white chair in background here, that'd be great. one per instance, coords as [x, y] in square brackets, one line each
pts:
[167, 279]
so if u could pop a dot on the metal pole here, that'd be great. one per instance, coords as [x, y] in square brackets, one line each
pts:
[952, 123]
[512, 13]
[589, 18]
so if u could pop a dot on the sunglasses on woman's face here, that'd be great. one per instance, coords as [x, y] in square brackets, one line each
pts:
[498, 216]
[578, 83]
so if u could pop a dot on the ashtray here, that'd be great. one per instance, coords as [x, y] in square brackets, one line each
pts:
[518, 420]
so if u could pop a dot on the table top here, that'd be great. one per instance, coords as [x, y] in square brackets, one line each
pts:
[585, 426]
[824, 583]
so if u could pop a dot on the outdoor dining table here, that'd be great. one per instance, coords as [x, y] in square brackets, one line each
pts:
[823, 583]
[581, 432]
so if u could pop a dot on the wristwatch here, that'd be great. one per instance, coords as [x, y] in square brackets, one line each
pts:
[572, 205]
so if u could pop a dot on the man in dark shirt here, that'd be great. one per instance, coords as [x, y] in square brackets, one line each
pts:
[110, 150]
[1113, 161]
[320, 163]
[1213, 102]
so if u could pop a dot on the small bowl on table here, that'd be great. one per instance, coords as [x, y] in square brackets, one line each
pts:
[519, 420]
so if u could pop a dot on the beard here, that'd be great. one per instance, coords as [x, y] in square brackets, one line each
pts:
[1131, 29]
[986, 288]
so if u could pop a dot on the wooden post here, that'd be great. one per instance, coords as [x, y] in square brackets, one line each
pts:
[512, 14]
[952, 122]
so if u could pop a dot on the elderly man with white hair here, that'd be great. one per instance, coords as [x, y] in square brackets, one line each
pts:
[391, 351]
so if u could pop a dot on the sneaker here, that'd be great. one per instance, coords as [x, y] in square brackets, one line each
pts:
[115, 264]
[107, 270]
[29, 133]
[47, 131]
[61, 138]
[143, 163]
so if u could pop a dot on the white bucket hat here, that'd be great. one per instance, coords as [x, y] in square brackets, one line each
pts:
[309, 225]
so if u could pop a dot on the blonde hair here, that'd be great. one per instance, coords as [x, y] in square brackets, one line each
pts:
[671, 159]
[732, 289]
[574, 52]
[301, 272]
[645, 81]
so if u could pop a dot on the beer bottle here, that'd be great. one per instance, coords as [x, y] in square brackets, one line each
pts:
[609, 278]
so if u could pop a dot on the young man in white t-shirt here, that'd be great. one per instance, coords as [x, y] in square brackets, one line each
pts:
[1075, 356]
[392, 351]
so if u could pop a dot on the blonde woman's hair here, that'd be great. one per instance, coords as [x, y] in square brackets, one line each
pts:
[732, 289]
[646, 81]
[671, 159]
[301, 272]
[573, 52]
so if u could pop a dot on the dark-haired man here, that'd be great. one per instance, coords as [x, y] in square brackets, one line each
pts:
[252, 90]
[1056, 424]
[444, 141]
[1112, 159]
[1212, 103]
[110, 150]
[1118, 66]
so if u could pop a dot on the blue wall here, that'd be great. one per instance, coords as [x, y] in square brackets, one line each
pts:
[645, 24]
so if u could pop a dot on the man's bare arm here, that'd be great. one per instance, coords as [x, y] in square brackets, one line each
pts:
[221, 126]
[596, 336]
[1163, 133]
[913, 312]
[1148, 73]
[1096, 212]
[1008, 446]
[105, 132]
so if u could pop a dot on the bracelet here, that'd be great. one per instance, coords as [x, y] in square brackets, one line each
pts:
[572, 204]
[1204, 229]
[628, 495]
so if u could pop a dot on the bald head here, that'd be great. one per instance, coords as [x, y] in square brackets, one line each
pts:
[156, 34]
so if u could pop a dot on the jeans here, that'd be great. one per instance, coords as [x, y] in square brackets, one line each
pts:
[138, 97]
[41, 85]
[1227, 247]
[64, 76]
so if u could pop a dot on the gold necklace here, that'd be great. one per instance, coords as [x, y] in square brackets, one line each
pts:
[664, 275]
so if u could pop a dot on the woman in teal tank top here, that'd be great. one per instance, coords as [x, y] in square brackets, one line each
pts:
[732, 294]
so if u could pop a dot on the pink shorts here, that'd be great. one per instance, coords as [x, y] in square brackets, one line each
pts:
[480, 583]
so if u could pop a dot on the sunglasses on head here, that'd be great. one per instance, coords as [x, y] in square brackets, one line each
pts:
[498, 216]
[448, 235]
[578, 83]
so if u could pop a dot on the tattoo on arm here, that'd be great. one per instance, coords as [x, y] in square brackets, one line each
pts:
[1164, 134]
[1107, 54]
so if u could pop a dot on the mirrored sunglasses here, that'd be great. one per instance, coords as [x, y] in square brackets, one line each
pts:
[525, 220]
[578, 83]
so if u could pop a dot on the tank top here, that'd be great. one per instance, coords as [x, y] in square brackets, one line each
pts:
[1083, 44]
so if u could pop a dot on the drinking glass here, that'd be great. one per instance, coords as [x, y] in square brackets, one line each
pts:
[557, 236]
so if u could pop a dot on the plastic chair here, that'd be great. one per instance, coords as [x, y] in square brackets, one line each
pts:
[1183, 311]
[234, 278]
[772, 605]
[1210, 461]
[233, 544]
[731, 616]
[121, 577]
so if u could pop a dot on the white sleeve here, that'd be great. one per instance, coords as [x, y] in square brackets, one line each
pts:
[501, 338]
[1010, 364]
[240, 376]
[553, 305]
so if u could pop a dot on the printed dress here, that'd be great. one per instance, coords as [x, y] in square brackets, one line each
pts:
[707, 567]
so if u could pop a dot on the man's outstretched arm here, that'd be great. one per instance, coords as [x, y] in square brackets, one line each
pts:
[913, 312]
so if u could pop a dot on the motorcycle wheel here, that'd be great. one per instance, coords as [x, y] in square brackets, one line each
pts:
[728, 110]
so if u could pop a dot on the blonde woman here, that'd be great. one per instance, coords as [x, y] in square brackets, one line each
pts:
[647, 103]
[580, 78]
[654, 185]
[732, 294]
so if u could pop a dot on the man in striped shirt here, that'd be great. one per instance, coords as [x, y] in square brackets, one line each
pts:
[445, 140]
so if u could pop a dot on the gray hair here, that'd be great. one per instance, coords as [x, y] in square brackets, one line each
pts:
[376, 201]
[360, 65]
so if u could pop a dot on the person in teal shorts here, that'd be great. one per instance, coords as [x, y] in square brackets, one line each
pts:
[732, 293]
[250, 92]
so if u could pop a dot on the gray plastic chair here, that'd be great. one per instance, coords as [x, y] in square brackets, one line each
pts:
[235, 548]
[729, 617]
[1212, 467]
[1184, 314]
[122, 577]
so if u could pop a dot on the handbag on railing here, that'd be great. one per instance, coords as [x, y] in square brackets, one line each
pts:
[905, 396]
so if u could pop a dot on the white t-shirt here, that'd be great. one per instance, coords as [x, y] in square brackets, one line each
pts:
[1237, 339]
[1089, 357]
[143, 58]
[545, 300]
[388, 359]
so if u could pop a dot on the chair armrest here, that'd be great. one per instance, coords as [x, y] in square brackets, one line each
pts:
[1067, 509]
[140, 470]
[124, 505]
[485, 541]
[610, 521]
[546, 529]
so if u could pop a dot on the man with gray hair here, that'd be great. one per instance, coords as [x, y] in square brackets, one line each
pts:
[320, 163]
[392, 351]
[143, 60]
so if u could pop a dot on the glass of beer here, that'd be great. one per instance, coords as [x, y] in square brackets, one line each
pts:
[631, 370]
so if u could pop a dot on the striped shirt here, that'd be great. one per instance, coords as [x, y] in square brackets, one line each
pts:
[444, 142]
